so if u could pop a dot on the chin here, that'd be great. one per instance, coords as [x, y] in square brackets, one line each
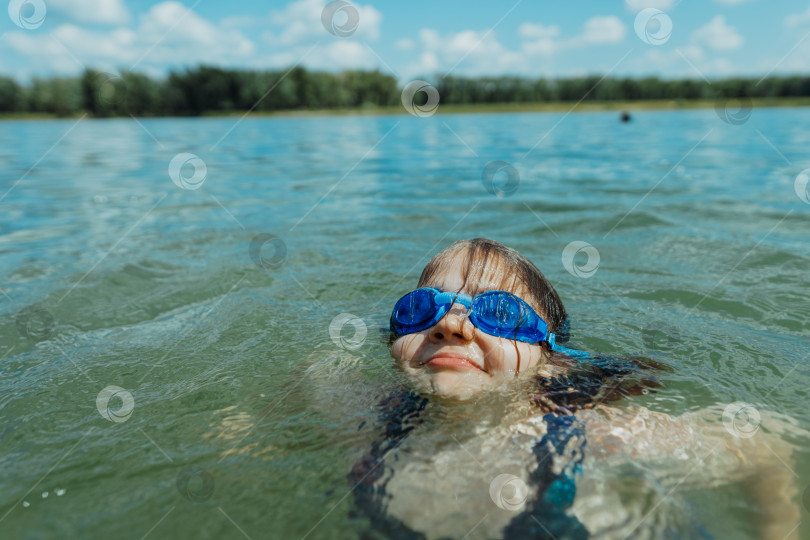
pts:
[454, 385]
[447, 383]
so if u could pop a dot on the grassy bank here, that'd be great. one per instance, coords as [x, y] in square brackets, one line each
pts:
[560, 106]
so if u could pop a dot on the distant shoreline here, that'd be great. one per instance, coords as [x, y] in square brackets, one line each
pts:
[483, 108]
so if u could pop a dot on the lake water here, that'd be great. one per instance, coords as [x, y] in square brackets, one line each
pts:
[155, 340]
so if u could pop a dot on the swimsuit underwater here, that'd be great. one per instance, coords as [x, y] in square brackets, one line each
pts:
[555, 492]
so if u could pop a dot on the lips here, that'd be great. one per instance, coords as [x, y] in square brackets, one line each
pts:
[452, 360]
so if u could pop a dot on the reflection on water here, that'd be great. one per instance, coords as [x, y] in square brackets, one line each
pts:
[114, 276]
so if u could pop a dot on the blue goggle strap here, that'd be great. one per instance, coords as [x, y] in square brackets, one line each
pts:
[565, 350]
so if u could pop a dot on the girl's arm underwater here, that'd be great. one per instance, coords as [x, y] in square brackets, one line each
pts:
[755, 456]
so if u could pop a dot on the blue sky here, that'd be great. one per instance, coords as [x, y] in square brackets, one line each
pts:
[416, 39]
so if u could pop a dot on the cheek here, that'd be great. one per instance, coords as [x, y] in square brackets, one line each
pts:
[505, 355]
[531, 356]
[396, 348]
[404, 349]
[498, 352]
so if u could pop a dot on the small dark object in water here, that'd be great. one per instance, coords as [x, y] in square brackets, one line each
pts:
[625, 116]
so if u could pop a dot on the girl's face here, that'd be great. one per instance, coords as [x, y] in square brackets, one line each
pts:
[455, 359]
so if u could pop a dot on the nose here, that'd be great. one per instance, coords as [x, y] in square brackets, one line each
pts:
[454, 326]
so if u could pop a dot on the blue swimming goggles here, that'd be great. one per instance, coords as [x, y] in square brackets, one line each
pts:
[498, 313]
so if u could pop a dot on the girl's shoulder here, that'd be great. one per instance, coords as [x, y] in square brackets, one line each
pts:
[722, 436]
[636, 432]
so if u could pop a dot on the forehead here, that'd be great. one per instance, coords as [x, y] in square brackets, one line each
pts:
[454, 275]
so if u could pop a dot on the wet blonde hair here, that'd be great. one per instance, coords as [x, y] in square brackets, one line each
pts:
[482, 254]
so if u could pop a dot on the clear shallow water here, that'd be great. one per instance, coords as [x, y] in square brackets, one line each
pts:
[114, 276]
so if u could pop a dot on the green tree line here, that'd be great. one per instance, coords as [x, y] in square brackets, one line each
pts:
[197, 91]
[595, 88]
[203, 89]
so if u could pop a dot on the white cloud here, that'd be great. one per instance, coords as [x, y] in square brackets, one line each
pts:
[691, 60]
[668, 63]
[468, 52]
[337, 55]
[603, 30]
[170, 36]
[341, 54]
[167, 35]
[429, 62]
[638, 5]
[800, 19]
[111, 12]
[477, 53]
[538, 39]
[716, 34]
[538, 31]
[405, 44]
[301, 21]
[598, 30]
[241, 21]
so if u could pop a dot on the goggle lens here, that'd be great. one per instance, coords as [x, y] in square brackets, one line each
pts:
[500, 313]
[415, 308]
